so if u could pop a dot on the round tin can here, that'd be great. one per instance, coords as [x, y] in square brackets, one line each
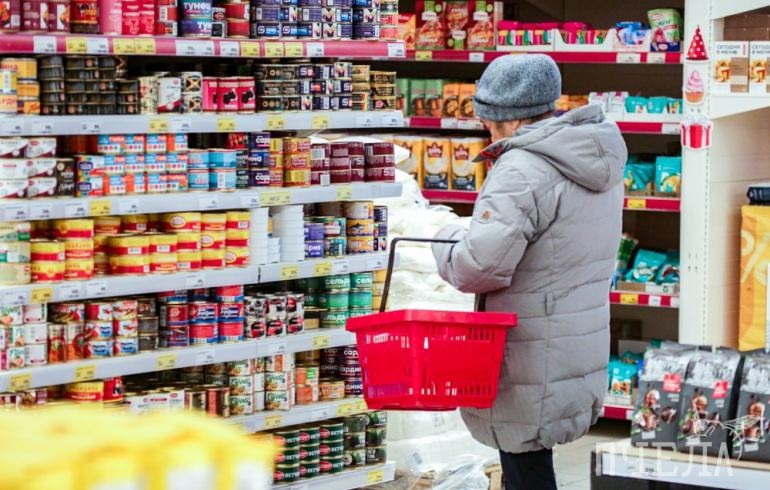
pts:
[309, 468]
[148, 325]
[178, 336]
[355, 424]
[334, 299]
[266, 13]
[210, 99]
[198, 160]
[125, 346]
[286, 473]
[204, 333]
[332, 464]
[148, 342]
[287, 439]
[335, 246]
[172, 315]
[228, 94]
[354, 458]
[188, 241]
[246, 94]
[84, 16]
[222, 179]
[376, 454]
[309, 436]
[359, 280]
[203, 312]
[218, 401]
[340, 282]
[334, 318]
[256, 327]
[182, 221]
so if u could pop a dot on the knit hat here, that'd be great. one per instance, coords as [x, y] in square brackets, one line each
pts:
[517, 87]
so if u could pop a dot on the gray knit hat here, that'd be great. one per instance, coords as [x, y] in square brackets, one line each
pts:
[517, 87]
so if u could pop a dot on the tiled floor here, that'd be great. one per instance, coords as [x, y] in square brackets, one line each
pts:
[573, 461]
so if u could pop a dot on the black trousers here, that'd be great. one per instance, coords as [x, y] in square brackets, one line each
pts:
[528, 471]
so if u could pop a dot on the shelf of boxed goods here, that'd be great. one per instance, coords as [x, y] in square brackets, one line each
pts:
[299, 414]
[628, 123]
[558, 56]
[197, 123]
[347, 480]
[146, 362]
[661, 464]
[108, 286]
[57, 208]
[631, 203]
[175, 46]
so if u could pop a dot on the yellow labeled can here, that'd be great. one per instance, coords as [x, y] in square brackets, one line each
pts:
[134, 245]
[182, 221]
[100, 243]
[135, 223]
[188, 241]
[28, 88]
[189, 260]
[237, 238]
[47, 271]
[163, 263]
[213, 240]
[163, 243]
[101, 263]
[213, 221]
[107, 225]
[212, 258]
[360, 244]
[46, 250]
[79, 248]
[237, 256]
[78, 269]
[129, 264]
[360, 227]
[25, 68]
[238, 220]
[380, 276]
[65, 229]
[296, 178]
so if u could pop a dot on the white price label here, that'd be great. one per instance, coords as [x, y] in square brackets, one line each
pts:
[654, 300]
[205, 357]
[12, 128]
[40, 211]
[68, 292]
[15, 212]
[396, 50]
[75, 210]
[179, 125]
[208, 202]
[194, 281]
[448, 123]
[250, 201]
[42, 127]
[675, 302]
[340, 267]
[670, 128]
[229, 49]
[656, 58]
[44, 44]
[470, 124]
[97, 45]
[628, 58]
[96, 289]
[91, 127]
[375, 263]
[364, 121]
[392, 120]
[476, 57]
[129, 206]
[314, 50]
[322, 414]
[194, 48]
[16, 298]
[276, 348]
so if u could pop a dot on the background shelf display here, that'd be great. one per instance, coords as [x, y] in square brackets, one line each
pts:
[299, 414]
[631, 203]
[629, 124]
[57, 208]
[199, 123]
[347, 480]
[558, 56]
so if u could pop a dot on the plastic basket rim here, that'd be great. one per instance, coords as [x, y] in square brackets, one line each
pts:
[485, 319]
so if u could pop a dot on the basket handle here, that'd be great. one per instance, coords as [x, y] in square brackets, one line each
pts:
[482, 300]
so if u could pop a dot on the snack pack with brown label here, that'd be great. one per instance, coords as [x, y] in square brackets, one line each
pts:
[708, 401]
[752, 415]
[656, 414]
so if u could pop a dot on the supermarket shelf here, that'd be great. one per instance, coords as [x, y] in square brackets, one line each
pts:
[620, 459]
[632, 203]
[107, 286]
[611, 57]
[617, 412]
[632, 298]
[173, 46]
[725, 105]
[56, 374]
[726, 9]
[57, 208]
[300, 414]
[630, 125]
[347, 480]
[197, 123]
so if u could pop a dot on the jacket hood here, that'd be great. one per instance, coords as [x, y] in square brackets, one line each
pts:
[582, 144]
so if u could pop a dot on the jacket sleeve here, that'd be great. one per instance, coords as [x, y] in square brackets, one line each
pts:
[487, 254]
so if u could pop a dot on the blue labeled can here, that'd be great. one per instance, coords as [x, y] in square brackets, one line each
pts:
[156, 143]
[314, 231]
[156, 182]
[154, 163]
[314, 249]
[259, 141]
[222, 179]
[198, 159]
[134, 164]
[223, 159]
[198, 180]
[176, 162]
[259, 158]
[259, 177]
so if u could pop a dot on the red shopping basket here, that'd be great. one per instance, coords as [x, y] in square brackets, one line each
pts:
[429, 360]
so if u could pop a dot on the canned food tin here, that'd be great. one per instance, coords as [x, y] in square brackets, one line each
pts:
[355, 424]
[203, 333]
[203, 312]
[125, 346]
[174, 315]
[98, 330]
[98, 349]
[218, 401]
[177, 336]
[331, 390]
[241, 404]
[376, 454]
[182, 221]
[337, 282]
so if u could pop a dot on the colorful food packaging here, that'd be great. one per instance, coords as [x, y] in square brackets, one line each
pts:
[434, 97]
[431, 25]
[467, 91]
[668, 175]
[731, 67]
[417, 97]
[759, 52]
[451, 100]
[412, 165]
[457, 18]
[481, 30]
[638, 176]
[646, 266]
[407, 29]
[467, 175]
[755, 257]
[437, 162]
[754, 395]
[402, 95]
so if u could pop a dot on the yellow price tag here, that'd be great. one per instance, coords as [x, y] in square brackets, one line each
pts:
[225, 124]
[323, 269]
[21, 382]
[321, 342]
[289, 272]
[636, 203]
[276, 123]
[629, 299]
[123, 46]
[166, 361]
[294, 49]
[360, 406]
[249, 49]
[320, 122]
[344, 193]
[275, 198]
[144, 45]
[423, 55]
[345, 409]
[274, 50]
[41, 295]
[76, 45]
[100, 207]
[273, 421]
[84, 373]
[375, 476]
[158, 125]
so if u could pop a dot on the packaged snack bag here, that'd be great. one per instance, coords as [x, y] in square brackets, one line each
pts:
[638, 176]
[669, 271]
[407, 29]
[708, 403]
[431, 25]
[437, 162]
[402, 96]
[451, 100]
[481, 30]
[646, 266]
[467, 91]
[656, 412]
[417, 97]
[457, 17]
[467, 175]
[434, 91]
[622, 376]
[755, 257]
[752, 415]
[668, 175]
[666, 26]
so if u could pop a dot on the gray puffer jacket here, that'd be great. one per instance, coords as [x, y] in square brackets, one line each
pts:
[542, 243]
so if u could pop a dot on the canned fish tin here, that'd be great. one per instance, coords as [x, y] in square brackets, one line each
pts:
[337, 282]
[98, 349]
[334, 299]
[241, 405]
[203, 312]
[376, 454]
[309, 437]
[203, 333]
[355, 424]
[359, 280]
[222, 179]
[331, 390]
[241, 385]
[309, 468]
[354, 457]
[332, 464]
[125, 346]
[278, 400]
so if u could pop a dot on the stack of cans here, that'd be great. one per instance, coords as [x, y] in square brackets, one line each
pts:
[355, 440]
[275, 162]
[376, 452]
[350, 371]
[237, 15]
[389, 19]
[296, 162]
[287, 466]
[337, 19]
[314, 240]
[309, 451]
[339, 162]
[258, 159]
[380, 162]
[383, 87]
[266, 17]
[51, 76]
[310, 16]
[332, 447]
[320, 164]
[166, 17]
[279, 386]
[243, 381]
[192, 91]
[366, 19]
[361, 87]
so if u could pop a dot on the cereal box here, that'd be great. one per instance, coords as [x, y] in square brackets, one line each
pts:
[481, 29]
[431, 25]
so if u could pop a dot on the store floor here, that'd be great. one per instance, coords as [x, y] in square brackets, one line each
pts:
[573, 461]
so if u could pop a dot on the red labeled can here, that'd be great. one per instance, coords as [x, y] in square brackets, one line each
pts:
[229, 293]
[147, 19]
[380, 174]
[237, 11]
[231, 331]
[228, 94]
[84, 16]
[34, 15]
[231, 311]
[357, 175]
[247, 99]
[237, 28]
[203, 312]
[98, 311]
[58, 15]
[210, 94]
[204, 333]
[174, 314]
[131, 23]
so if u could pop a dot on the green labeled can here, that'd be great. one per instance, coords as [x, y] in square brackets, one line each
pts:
[339, 281]
[377, 418]
[332, 431]
[354, 457]
[361, 280]
[310, 434]
[335, 299]
[312, 299]
[376, 454]
[287, 439]
[360, 298]
[355, 423]
[288, 456]
[309, 452]
[355, 440]
[286, 473]
[356, 312]
[332, 448]
[335, 246]
[375, 436]
[333, 464]
[309, 469]
[334, 318]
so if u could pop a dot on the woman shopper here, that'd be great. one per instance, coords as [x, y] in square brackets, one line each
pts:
[542, 243]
